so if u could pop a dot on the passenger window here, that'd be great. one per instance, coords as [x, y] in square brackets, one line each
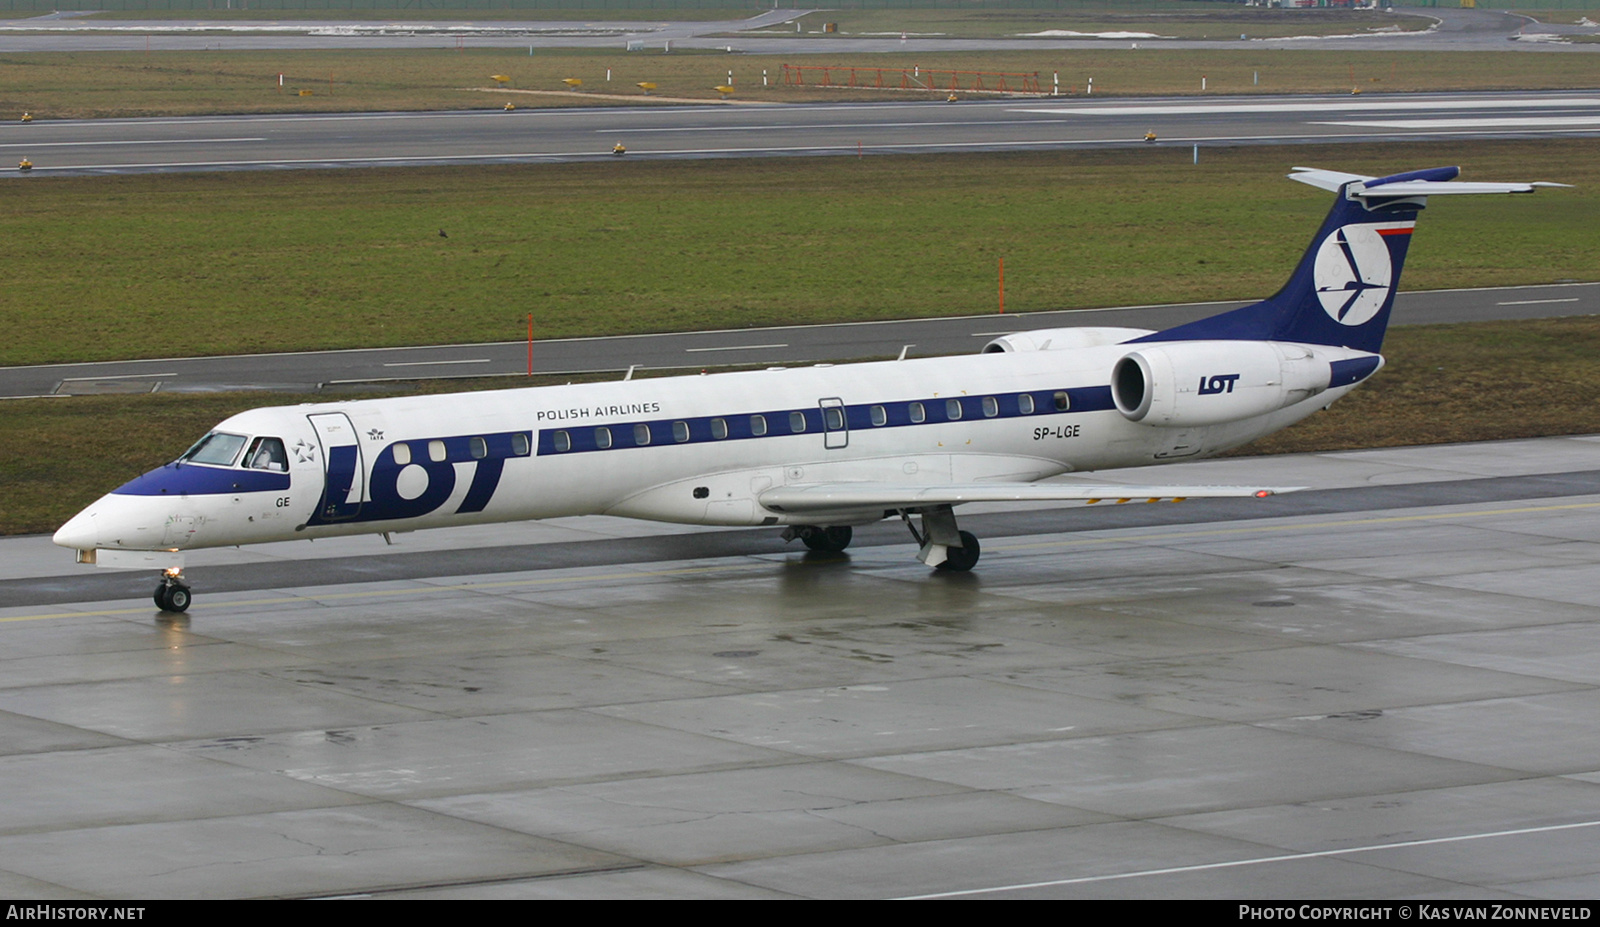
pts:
[480, 447]
[952, 409]
[719, 429]
[680, 431]
[991, 407]
[562, 441]
[436, 451]
[1025, 404]
[602, 438]
[1062, 402]
[267, 454]
[797, 422]
[519, 445]
[402, 453]
[833, 419]
[641, 434]
[918, 414]
[879, 416]
[758, 425]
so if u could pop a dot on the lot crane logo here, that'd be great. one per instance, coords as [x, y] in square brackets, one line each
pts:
[1353, 273]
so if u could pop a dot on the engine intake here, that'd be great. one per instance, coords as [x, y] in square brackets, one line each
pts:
[1212, 382]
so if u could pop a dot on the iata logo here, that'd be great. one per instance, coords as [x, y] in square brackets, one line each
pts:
[1352, 273]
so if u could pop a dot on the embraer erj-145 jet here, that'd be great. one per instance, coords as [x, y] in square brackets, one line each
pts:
[815, 449]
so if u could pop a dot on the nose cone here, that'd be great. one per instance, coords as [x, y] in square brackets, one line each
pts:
[80, 533]
[117, 522]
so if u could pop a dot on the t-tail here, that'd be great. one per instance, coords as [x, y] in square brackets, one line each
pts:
[1343, 290]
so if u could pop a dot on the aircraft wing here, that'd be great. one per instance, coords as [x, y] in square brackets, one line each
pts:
[818, 497]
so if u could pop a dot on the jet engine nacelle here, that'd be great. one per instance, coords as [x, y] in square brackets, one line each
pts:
[1213, 382]
[1063, 339]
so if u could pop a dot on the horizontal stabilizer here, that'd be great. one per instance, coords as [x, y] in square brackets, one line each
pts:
[818, 497]
[1434, 182]
[1326, 180]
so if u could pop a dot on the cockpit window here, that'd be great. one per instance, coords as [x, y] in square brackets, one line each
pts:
[267, 454]
[217, 448]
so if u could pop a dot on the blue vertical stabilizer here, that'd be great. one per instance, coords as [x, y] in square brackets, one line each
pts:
[1343, 289]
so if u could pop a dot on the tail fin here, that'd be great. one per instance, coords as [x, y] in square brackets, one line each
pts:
[1343, 289]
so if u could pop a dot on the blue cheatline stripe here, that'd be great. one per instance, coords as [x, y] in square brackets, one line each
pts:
[740, 425]
[200, 480]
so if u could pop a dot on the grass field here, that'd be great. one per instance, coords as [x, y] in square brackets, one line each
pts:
[187, 264]
[121, 84]
[1442, 384]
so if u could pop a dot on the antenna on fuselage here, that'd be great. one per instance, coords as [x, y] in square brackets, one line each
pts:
[631, 369]
[903, 352]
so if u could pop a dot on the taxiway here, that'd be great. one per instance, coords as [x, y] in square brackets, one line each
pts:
[492, 136]
[681, 351]
[1383, 687]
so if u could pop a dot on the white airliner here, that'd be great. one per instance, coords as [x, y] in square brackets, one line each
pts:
[815, 449]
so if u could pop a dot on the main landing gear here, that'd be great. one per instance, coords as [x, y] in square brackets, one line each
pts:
[828, 540]
[172, 595]
[944, 547]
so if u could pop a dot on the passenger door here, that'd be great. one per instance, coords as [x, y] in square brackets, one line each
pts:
[344, 480]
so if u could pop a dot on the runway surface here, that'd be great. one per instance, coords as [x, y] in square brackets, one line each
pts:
[687, 351]
[1384, 687]
[492, 136]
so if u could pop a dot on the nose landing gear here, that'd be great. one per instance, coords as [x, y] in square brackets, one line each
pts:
[172, 595]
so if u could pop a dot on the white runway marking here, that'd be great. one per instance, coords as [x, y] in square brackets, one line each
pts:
[1536, 302]
[736, 347]
[803, 126]
[1330, 106]
[1498, 122]
[475, 360]
[1256, 861]
[120, 376]
[154, 141]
